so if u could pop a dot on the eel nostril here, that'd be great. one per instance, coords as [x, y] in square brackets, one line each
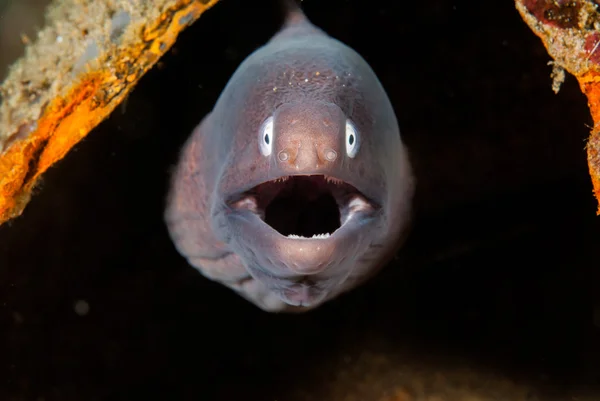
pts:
[283, 156]
[330, 155]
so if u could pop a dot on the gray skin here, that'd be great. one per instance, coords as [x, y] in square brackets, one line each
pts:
[306, 115]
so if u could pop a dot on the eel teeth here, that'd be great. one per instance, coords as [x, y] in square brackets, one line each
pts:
[316, 236]
[282, 179]
[333, 180]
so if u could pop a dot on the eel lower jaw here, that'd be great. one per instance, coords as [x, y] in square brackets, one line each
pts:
[305, 207]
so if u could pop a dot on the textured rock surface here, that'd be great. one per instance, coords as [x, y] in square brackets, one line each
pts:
[570, 30]
[81, 65]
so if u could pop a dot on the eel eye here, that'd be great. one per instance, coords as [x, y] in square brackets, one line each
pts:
[266, 137]
[351, 139]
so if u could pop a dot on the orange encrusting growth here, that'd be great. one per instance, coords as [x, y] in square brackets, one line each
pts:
[590, 85]
[67, 119]
[63, 124]
[569, 34]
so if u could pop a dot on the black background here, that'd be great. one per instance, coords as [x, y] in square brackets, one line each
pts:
[498, 275]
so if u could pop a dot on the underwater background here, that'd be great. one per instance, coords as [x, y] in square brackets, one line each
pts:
[494, 296]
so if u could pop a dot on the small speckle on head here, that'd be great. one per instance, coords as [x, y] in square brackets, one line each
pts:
[326, 122]
[317, 73]
[275, 89]
[305, 79]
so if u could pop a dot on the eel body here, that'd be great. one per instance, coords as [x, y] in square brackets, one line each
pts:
[297, 186]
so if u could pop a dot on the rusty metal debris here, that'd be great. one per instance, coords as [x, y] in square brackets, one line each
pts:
[570, 31]
[83, 63]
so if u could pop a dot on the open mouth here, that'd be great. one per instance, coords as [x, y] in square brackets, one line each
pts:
[305, 206]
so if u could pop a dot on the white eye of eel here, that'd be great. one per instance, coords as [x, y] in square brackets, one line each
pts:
[352, 144]
[265, 139]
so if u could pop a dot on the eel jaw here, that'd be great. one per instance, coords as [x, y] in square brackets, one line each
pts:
[304, 207]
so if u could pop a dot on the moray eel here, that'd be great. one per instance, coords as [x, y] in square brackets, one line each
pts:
[296, 187]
